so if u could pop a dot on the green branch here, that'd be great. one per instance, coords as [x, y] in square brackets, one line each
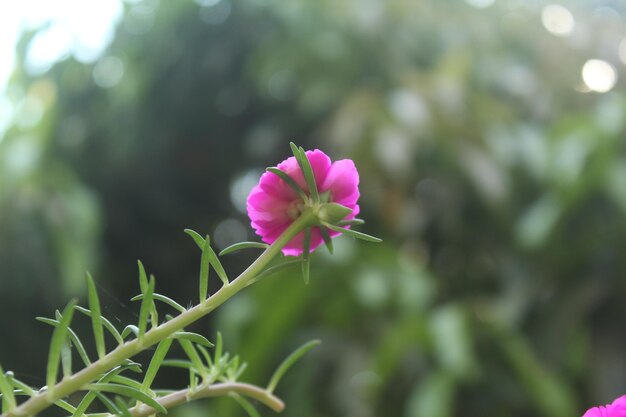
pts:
[79, 380]
[215, 390]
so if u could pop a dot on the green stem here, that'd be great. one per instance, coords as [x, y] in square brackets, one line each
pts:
[215, 390]
[129, 349]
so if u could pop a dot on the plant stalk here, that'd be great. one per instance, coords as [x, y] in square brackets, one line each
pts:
[215, 390]
[75, 382]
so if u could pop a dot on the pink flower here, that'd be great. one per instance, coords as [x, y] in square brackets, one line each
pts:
[616, 409]
[273, 204]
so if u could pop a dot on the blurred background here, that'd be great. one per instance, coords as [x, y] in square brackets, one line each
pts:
[490, 139]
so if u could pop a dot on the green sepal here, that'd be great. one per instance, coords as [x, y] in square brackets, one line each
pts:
[307, 170]
[288, 362]
[243, 245]
[289, 181]
[333, 213]
[306, 248]
[96, 320]
[353, 233]
[56, 345]
[129, 392]
[328, 241]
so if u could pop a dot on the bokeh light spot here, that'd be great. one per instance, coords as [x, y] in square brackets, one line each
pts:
[622, 51]
[599, 76]
[228, 232]
[241, 186]
[108, 71]
[557, 19]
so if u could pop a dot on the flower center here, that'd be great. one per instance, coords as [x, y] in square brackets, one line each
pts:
[295, 208]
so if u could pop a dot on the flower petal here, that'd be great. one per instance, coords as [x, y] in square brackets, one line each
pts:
[343, 182]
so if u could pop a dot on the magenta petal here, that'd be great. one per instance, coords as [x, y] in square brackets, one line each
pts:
[343, 182]
[320, 164]
[273, 185]
[290, 167]
[295, 245]
[272, 202]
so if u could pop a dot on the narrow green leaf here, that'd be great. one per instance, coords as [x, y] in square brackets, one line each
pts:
[290, 360]
[196, 237]
[128, 392]
[353, 233]
[107, 403]
[180, 363]
[143, 278]
[91, 396]
[8, 398]
[164, 299]
[327, 240]
[154, 314]
[305, 166]
[243, 245]
[107, 324]
[205, 354]
[66, 358]
[157, 359]
[204, 270]
[218, 348]
[217, 265]
[24, 389]
[56, 345]
[306, 248]
[130, 329]
[275, 269]
[193, 356]
[289, 181]
[75, 340]
[20, 385]
[96, 321]
[122, 380]
[245, 404]
[123, 407]
[64, 405]
[146, 306]
[193, 337]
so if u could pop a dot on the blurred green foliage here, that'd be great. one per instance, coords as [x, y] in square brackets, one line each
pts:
[497, 183]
